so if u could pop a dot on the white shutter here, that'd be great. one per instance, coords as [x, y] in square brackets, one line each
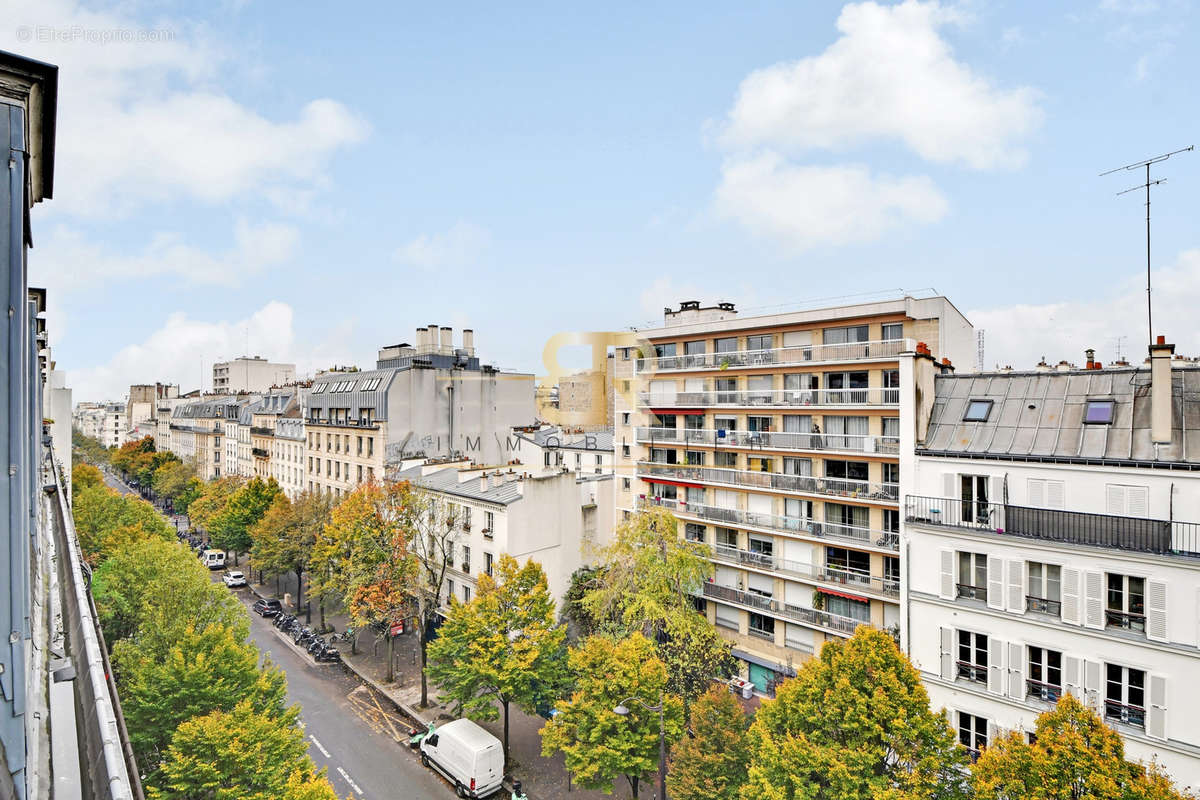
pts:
[1156, 611]
[1056, 494]
[996, 490]
[992, 732]
[1137, 501]
[1114, 499]
[995, 587]
[1016, 586]
[995, 666]
[951, 489]
[946, 651]
[947, 587]
[1093, 599]
[1091, 685]
[1036, 493]
[1070, 596]
[1072, 676]
[1016, 674]
[1156, 714]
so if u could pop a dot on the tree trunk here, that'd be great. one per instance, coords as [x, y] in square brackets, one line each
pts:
[633, 784]
[391, 675]
[424, 680]
[321, 606]
[300, 593]
[505, 703]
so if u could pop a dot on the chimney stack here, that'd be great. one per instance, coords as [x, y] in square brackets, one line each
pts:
[468, 337]
[1160, 391]
[483, 482]
[420, 342]
[431, 338]
[447, 348]
[1091, 358]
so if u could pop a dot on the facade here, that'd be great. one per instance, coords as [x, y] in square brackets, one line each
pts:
[776, 440]
[432, 400]
[198, 432]
[264, 414]
[1052, 534]
[144, 400]
[288, 457]
[89, 419]
[550, 446]
[114, 429]
[165, 408]
[250, 374]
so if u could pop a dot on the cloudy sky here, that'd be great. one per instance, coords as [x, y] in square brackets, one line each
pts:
[308, 184]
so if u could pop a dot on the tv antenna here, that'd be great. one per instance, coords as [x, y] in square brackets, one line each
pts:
[1146, 186]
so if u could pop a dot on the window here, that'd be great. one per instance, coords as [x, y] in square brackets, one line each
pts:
[625, 417]
[360, 445]
[978, 411]
[1125, 695]
[466, 559]
[1045, 674]
[797, 466]
[1045, 588]
[762, 626]
[764, 342]
[449, 590]
[891, 472]
[727, 537]
[847, 607]
[972, 575]
[891, 430]
[854, 333]
[892, 330]
[693, 532]
[360, 473]
[840, 559]
[546, 457]
[722, 459]
[625, 484]
[625, 451]
[973, 494]
[972, 662]
[891, 573]
[729, 344]
[726, 390]
[1126, 603]
[972, 733]
[1126, 501]
[1098, 412]
[466, 594]
[466, 518]
[488, 522]
[848, 470]
[1042, 493]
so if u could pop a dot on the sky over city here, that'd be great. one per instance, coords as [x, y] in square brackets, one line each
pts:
[309, 182]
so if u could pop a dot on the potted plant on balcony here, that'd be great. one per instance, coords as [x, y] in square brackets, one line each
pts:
[818, 600]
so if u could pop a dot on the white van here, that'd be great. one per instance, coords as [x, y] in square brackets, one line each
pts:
[470, 757]
[214, 559]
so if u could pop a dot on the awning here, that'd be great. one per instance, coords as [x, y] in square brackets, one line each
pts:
[846, 595]
[673, 411]
[766, 662]
[674, 483]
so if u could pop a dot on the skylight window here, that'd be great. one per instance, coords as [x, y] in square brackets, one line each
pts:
[349, 386]
[1098, 412]
[978, 411]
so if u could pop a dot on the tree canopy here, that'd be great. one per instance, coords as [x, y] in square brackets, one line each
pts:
[229, 528]
[105, 520]
[711, 764]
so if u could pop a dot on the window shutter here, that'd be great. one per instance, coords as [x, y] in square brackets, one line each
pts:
[995, 666]
[1072, 677]
[996, 493]
[1156, 714]
[952, 489]
[1037, 493]
[1055, 494]
[1016, 586]
[1070, 596]
[1114, 499]
[992, 732]
[1091, 686]
[995, 587]
[1156, 611]
[947, 654]
[1138, 499]
[1093, 599]
[1016, 674]
[947, 587]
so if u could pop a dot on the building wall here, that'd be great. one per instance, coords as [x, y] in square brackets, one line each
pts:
[250, 375]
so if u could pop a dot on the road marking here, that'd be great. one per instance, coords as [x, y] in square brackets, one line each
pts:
[350, 781]
[320, 746]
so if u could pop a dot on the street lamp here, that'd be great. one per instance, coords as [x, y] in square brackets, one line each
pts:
[622, 710]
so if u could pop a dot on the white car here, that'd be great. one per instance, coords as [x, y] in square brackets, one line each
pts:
[234, 579]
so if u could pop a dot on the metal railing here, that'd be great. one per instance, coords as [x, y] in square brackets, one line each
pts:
[1163, 537]
[779, 481]
[1120, 712]
[259, 452]
[256, 430]
[809, 616]
[1124, 620]
[849, 578]
[971, 592]
[801, 354]
[1043, 605]
[1046, 692]
[851, 534]
[767, 398]
[971, 672]
[770, 440]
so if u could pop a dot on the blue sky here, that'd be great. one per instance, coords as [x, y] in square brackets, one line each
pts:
[317, 182]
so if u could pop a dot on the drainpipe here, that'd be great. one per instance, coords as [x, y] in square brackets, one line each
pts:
[450, 389]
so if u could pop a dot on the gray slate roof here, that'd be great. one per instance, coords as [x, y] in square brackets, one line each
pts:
[554, 437]
[446, 480]
[1040, 415]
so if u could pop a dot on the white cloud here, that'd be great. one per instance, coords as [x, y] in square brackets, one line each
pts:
[807, 206]
[142, 121]
[1129, 6]
[890, 76]
[1022, 334]
[459, 246]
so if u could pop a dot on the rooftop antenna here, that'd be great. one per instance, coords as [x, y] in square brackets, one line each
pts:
[979, 349]
[1120, 355]
[1146, 186]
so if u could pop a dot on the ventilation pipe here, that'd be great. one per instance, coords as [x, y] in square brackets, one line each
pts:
[447, 347]
[1160, 391]
[468, 339]
[420, 341]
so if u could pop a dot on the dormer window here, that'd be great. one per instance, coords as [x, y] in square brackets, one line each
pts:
[1098, 412]
[978, 411]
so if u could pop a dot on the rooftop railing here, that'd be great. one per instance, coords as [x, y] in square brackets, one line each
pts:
[771, 440]
[770, 398]
[835, 623]
[778, 481]
[801, 354]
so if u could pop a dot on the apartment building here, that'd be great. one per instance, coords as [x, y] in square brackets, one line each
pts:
[550, 446]
[144, 401]
[89, 418]
[775, 440]
[250, 374]
[114, 430]
[198, 432]
[429, 400]
[165, 408]
[1052, 544]
[263, 416]
[288, 457]
[554, 517]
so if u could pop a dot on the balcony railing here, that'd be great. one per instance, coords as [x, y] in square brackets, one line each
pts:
[808, 616]
[1163, 537]
[971, 672]
[258, 452]
[1120, 712]
[1124, 620]
[803, 484]
[852, 534]
[1042, 605]
[848, 578]
[972, 592]
[770, 440]
[1046, 692]
[344, 423]
[768, 398]
[256, 430]
[802, 354]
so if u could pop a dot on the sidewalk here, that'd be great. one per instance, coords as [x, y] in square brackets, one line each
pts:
[542, 778]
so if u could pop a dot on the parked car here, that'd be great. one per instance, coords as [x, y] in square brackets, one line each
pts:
[470, 757]
[267, 608]
[214, 559]
[234, 579]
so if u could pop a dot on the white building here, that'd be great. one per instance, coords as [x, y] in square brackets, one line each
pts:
[287, 459]
[1051, 544]
[250, 374]
[113, 428]
[551, 446]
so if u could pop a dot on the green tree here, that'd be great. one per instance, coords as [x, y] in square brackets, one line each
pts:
[212, 501]
[85, 476]
[237, 755]
[854, 723]
[502, 647]
[695, 655]
[131, 457]
[600, 745]
[711, 764]
[89, 449]
[1075, 756]
[172, 478]
[106, 519]
[582, 624]
[285, 538]
[229, 529]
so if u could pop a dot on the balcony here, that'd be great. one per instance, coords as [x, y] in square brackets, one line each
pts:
[770, 398]
[1127, 714]
[839, 577]
[802, 355]
[770, 440]
[1133, 534]
[1042, 605]
[775, 481]
[372, 425]
[1124, 620]
[971, 672]
[256, 430]
[258, 452]
[971, 592]
[1046, 692]
[834, 623]
[797, 526]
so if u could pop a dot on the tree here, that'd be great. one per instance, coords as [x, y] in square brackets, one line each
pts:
[1075, 756]
[581, 623]
[106, 519]
[89, 449]
[85, 476]
[132, 456]
[284, 539]
[213, 500]
[711, 764]
[855, 722]
[237, 755]
[229, 528]
[503, 647]
[172, 479]
[695, 655]
[600, 745]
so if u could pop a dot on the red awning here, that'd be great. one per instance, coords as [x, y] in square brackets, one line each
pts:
[674, 483]
[846, 595]
[684, 411]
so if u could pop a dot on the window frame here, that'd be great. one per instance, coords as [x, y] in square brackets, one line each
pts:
[972, 413]
[1110, 405]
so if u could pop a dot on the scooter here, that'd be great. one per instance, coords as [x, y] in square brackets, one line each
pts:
[517, 794]
[417, 735]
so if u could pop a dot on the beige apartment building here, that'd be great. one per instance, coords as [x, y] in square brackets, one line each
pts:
[250, 374]
[775, 441]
